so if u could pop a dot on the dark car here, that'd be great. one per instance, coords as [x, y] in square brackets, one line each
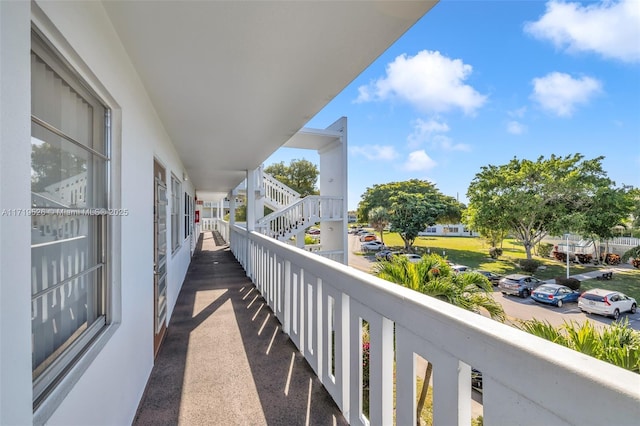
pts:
[518, 284]
[554, 294]
[492, 277]
[476, 380]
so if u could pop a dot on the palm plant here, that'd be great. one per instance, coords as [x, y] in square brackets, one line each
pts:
[433, 276]
[616, 343]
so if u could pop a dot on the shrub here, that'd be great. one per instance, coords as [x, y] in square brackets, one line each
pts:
[544, 249]
[562, 257]
[634, 255]
[529, 265]
[610, 258]
[572, 283]
[365, 365]
[584, 258]
[495, 252]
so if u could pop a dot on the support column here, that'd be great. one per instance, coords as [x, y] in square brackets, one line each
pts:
[232, 208]
[251, 200]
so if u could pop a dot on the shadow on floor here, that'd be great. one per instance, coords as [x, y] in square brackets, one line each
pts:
[225, 360]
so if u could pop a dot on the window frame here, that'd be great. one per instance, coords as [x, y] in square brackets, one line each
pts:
[58, 45]
[176, 214]
[67, 356]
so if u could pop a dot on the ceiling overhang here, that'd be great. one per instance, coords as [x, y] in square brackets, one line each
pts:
[233, 81]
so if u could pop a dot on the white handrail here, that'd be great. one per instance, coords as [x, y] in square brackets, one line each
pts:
[277, 193]
[303, 213]
[321, 305]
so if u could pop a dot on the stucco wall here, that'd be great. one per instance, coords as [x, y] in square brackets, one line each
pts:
[109, 390]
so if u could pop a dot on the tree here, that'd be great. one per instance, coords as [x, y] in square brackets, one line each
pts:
[379, 219]
[487, 224]
[50, 165]
[300, 175]
[535, 198]
[380, 196]
[412, 205]
[605, 209]
[434, 277]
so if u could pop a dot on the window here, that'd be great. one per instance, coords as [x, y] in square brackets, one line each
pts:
[69, 244]
[176, 191]
[188, 215]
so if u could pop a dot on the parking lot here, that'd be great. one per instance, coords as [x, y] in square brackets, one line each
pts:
[516, 308]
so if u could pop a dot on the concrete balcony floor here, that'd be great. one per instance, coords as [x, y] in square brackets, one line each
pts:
[225, 359]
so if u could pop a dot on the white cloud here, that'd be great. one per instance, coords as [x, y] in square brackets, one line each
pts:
[609, 28]
[423, 131]
[445, 143]
[419, 161]
[560, 93]
[375, 152]
[518, 113]
[428, 81]
[431, 132]
[516, 128]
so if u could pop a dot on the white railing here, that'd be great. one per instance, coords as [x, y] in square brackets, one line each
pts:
[527, 380]
[277, 193]
[625, 241]
[207, 224]
[300, 215]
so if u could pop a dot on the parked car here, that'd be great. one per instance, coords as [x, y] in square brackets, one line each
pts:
[518, 284]
[460, 268]
[492, 277]
[383, 255]
[554, 294]
[476, 380]
[387, 254]
[313, 231]
[413, 258]
[372, 246]
[606, 302]
[367, 237]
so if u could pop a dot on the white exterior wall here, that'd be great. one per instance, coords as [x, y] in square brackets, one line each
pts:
[15, 185]
[109, 390]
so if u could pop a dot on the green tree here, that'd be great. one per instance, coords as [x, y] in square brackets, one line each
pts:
[50, 165]
[300, 175]
[380, 196]
[412, 205]
[379, 219]
[488, 224]
[601, 212]
[535, 198]
[434, 277]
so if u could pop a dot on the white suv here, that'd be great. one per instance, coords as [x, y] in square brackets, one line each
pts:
[606, 302]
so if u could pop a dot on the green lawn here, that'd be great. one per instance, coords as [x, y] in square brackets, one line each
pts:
[474, 252]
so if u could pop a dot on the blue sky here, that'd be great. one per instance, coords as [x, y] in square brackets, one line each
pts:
[481, 82]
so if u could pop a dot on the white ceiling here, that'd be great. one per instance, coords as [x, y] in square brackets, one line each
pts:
[234, 80]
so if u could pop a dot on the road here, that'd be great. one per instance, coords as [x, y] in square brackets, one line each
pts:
[515, 307]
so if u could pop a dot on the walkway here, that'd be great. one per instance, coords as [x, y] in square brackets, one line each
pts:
[225, 360]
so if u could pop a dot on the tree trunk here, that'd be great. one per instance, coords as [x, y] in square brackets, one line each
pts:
[527, 249]
[424, 391]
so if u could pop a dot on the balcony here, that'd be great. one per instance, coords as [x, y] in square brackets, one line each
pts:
[259, 374]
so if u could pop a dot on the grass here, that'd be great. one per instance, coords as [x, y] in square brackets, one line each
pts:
[474, 252]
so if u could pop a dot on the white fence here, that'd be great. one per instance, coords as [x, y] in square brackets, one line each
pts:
[527, 380]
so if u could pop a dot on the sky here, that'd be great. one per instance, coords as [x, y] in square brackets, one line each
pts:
[475, 83]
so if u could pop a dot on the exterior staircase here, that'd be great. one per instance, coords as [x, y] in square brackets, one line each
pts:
[305, 212]
[292, 214]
